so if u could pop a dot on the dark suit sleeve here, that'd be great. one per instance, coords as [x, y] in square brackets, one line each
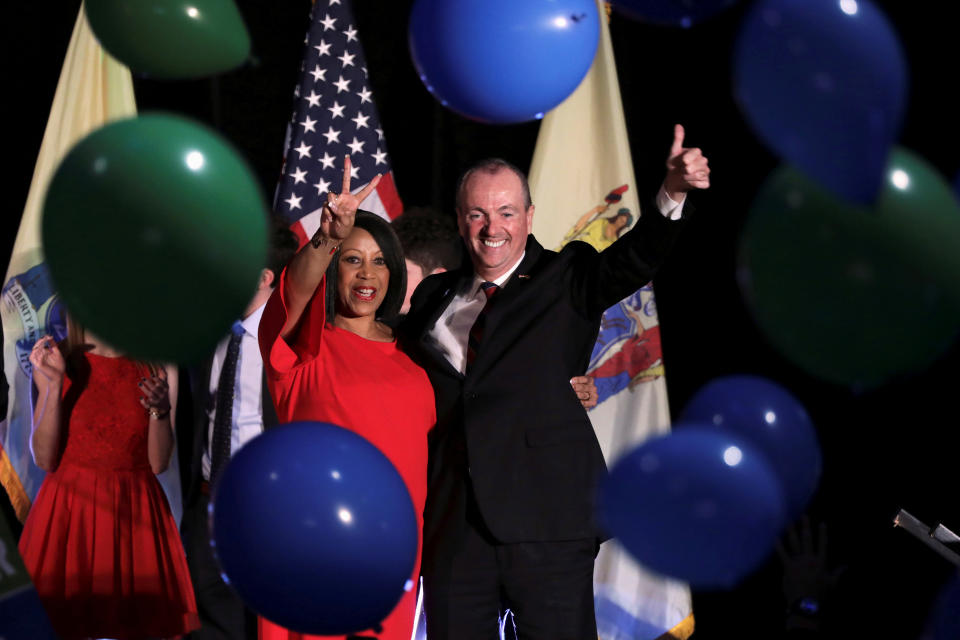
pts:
[423, 304]
[188, 429]
[600, 280]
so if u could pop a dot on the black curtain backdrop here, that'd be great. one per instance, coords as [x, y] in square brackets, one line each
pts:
[883, 449]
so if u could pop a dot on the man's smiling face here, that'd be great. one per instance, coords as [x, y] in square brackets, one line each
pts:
[494, 221]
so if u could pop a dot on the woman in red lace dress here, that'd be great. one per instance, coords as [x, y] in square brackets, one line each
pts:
[100, 541]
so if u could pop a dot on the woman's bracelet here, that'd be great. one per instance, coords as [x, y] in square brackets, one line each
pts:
[156, 414]
[319, 240]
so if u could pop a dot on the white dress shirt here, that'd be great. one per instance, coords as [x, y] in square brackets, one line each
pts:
[452, 329]
[247, 420]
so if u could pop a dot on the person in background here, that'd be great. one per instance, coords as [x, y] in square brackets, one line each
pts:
[430, 245]
[100, 542]
[230, 406]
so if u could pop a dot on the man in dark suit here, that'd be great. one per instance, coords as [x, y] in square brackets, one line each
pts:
[230, 406]
[514, 461]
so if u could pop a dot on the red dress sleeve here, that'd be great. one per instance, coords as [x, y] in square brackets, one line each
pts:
[280, 356]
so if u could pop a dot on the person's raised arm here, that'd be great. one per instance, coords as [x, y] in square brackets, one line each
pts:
[306, 269]
[687, 168]
[634, 258]
[49, 368]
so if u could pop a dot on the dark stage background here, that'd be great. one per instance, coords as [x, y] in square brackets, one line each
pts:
[884, 449]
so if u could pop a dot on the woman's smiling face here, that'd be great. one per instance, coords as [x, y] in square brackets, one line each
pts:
[362, 277]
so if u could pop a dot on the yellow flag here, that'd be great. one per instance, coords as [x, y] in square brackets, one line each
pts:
[93, 89]
[582, 183]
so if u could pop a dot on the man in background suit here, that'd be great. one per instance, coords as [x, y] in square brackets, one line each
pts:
[430, 245]
[231, 406]
[514, 462]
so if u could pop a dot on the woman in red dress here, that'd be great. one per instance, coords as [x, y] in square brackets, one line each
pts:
[329, 357]
[100, 541]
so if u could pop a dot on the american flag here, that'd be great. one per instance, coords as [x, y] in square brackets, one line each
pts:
[334, 116]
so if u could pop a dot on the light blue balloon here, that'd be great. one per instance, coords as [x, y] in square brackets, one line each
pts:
[823, 83]
[503, 61]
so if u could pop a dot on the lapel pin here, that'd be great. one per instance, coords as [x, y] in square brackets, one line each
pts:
[523, 276]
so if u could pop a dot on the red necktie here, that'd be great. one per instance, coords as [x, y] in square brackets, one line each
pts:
[476, 331]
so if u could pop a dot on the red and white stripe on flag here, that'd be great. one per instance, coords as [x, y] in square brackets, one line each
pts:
[334, 116]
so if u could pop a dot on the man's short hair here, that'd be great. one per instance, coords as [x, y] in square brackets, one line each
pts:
[491, 166]
[428, 240]
[283, 246]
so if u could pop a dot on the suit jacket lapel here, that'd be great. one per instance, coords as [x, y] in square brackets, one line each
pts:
[438, 303]
[514, 287]
[199, 380]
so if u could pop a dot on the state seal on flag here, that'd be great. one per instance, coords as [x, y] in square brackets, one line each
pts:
[627, 351]
[29, 296]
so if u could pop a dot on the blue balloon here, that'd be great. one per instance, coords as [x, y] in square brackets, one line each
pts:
[315, 529]
[682, 13]
[773, 421]
[943, 621]
[823, 83]
[699, 504]
[503, 61]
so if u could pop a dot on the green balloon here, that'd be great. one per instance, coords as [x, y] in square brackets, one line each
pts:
[171, 38]
[155, 233]
[855, 295]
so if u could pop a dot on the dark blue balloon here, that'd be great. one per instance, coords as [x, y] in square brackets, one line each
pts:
[682, 13]
[823, 83]
[315, 529]
[698, 504]
[943, 621]
[503, 61]
[774, 421]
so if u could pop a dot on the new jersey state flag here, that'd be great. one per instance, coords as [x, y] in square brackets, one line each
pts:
[93, 89]
[582, 183]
